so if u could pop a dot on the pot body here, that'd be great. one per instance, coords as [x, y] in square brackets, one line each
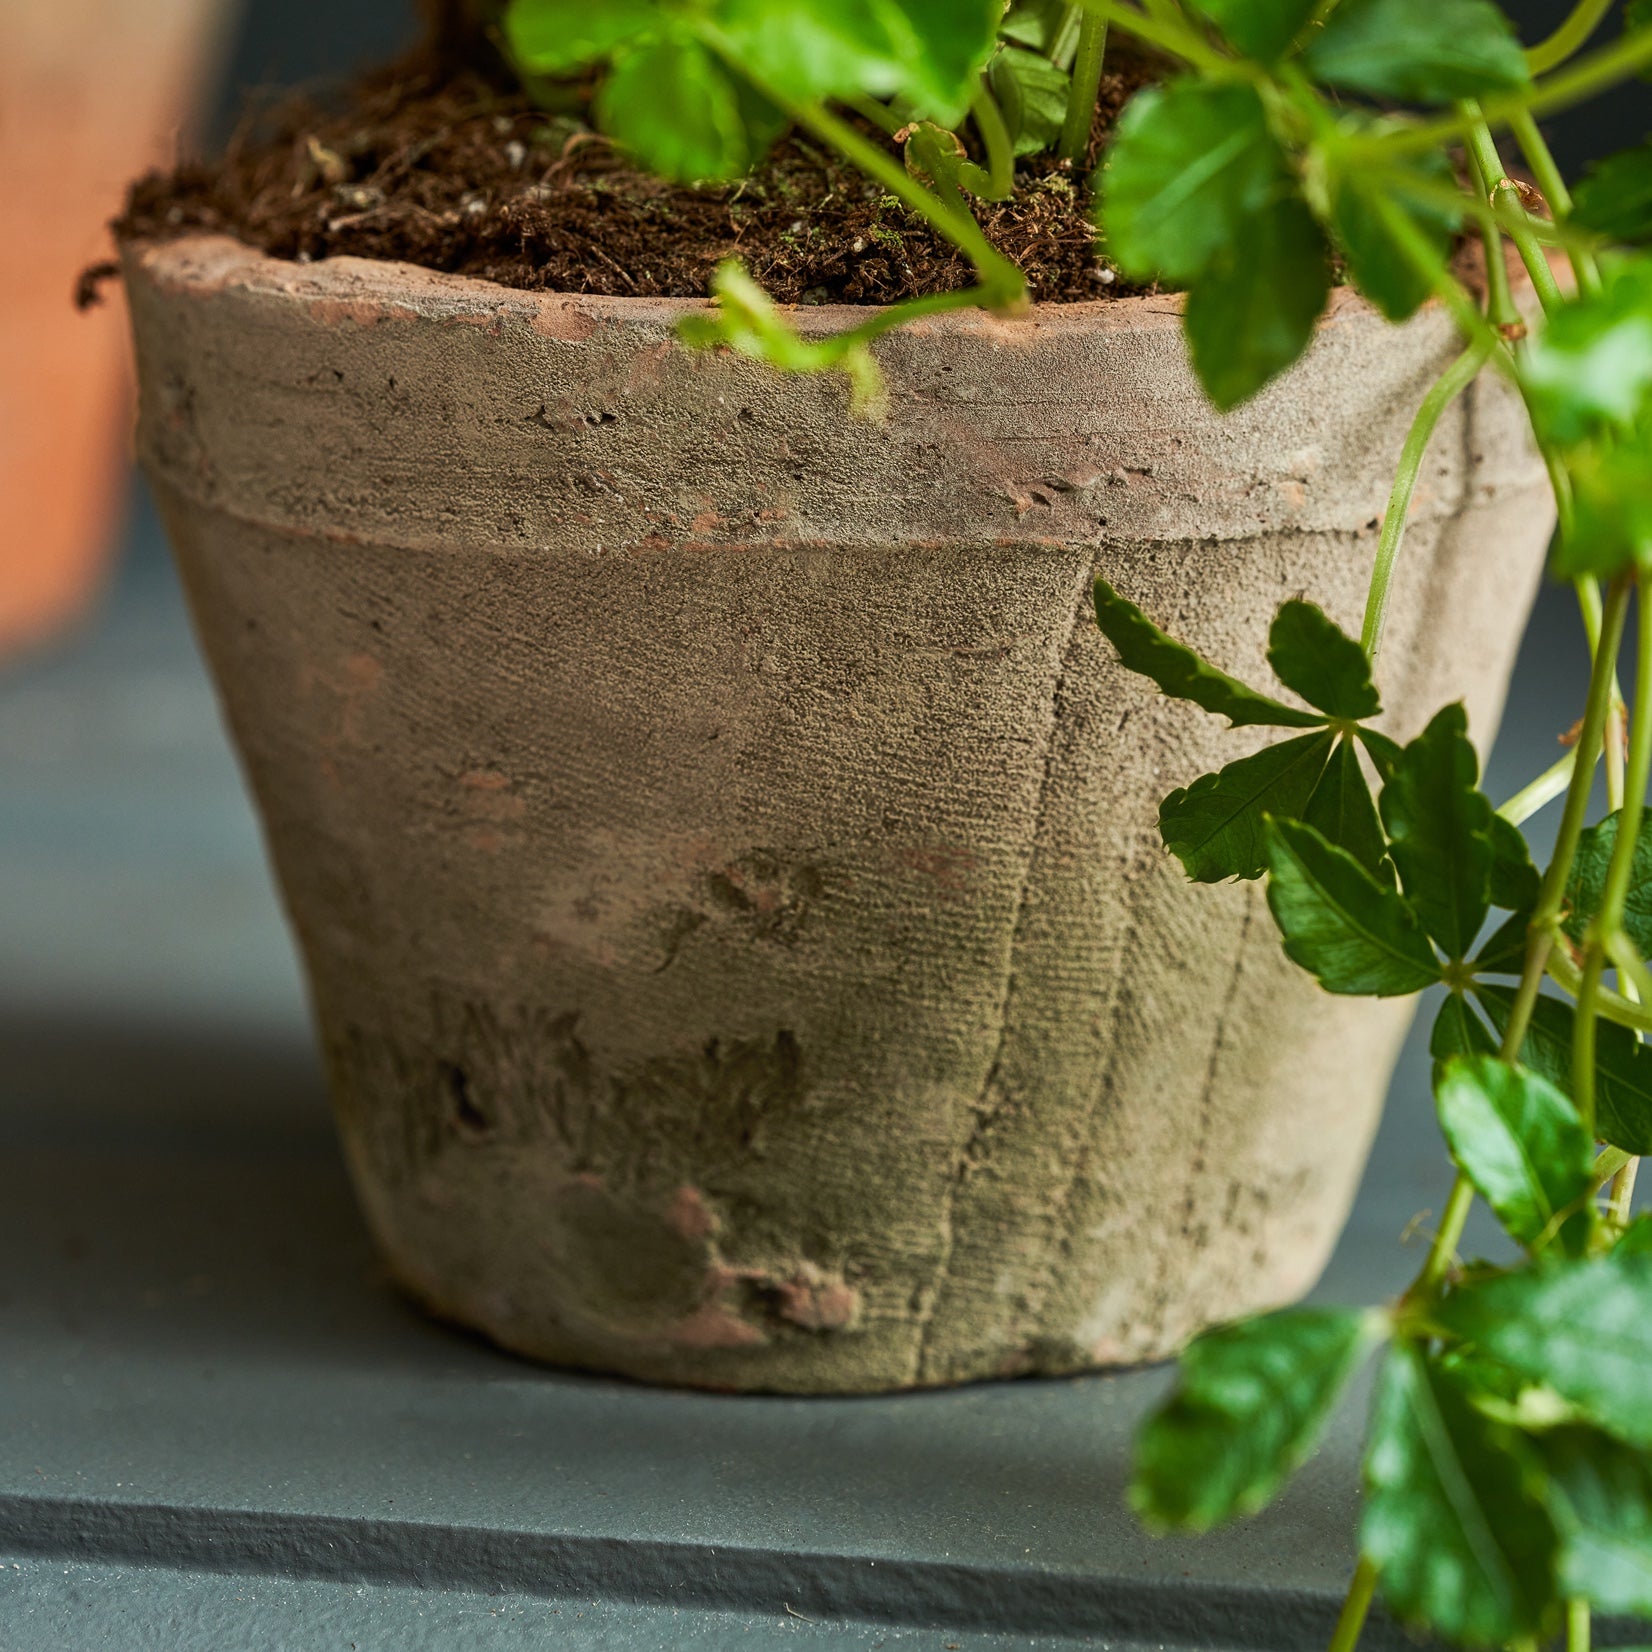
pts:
[722, 845]
[90, 92]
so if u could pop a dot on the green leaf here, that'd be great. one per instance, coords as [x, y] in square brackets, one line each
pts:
[1314, 657]
[1589, 371]
[1250, 1404]
[1385, 753]
[1216, 826]
[1459, 1543]
[1342, 812]
[1504, 1395]
[1262, 29]
[1458, 1031]
[1583, 1328]
[1145, 649]
[1600, 1498]
[1638, 15]
[1380, 269]
[1439, 828]
[1515, 881]
[747, 321]
[671, 104]
[951, 42]
[1623, 1065]
[1035, 23]
[1349, 931]
[1032, 97]
[1419, 51]
[1615, 197]
[809, 49]
[1251, 311]
[1611, 506]
[556, 37]
[1189, 167]
[1521, 1143]
[1636, 1239]
[1588, 882]
[1505, 950]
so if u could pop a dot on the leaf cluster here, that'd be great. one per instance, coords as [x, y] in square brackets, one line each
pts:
[1587, 379]
[1239, 183]
[701, 91]
[1374, 895]
[1508, 1463]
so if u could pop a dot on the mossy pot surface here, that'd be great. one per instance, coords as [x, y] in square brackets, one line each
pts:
[722, 846]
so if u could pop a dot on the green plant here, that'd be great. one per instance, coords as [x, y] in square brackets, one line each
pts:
[1509, 1465]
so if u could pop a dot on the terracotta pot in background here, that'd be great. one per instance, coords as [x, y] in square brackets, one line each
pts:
[90, 92]
[723, 847]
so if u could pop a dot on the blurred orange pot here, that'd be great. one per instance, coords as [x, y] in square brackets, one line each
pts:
[90, 91]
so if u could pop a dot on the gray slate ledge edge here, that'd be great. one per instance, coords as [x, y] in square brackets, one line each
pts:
[892, 1591]
[919, 1594]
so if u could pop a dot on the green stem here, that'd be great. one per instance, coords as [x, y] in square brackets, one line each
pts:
[1489, 165]
[1585, 266]
[1589, 603]
[1622, 1198]
[1074, 144]
[1540, 950]
[1543, 790]
[1589, 606]
[932, 153]
[1447, 1237]
[1500, 306]
[1601, 680]
[1577, 1626]
[1609, 1005]
[1445, 390]
[997, 182]
[1634, 978]
[1622, 60]
[1608, 918]
[1583, 1038]
[1608, 1162]
[1064, 47]
[880, 114]
[1572, 36]
[913, 309]
[1620, 869]
[1541, 160]
[1356, 1606]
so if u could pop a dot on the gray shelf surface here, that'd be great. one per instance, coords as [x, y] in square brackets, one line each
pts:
[223, 1429]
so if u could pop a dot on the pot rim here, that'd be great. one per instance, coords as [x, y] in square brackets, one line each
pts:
[368, 290]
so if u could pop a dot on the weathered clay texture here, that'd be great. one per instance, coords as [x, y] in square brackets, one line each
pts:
[722, 845]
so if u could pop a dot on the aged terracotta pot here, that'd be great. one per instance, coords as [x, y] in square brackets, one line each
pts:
[90, 91]
[721, 843]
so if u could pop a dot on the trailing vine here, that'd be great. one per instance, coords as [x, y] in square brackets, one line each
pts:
[1508, 1467]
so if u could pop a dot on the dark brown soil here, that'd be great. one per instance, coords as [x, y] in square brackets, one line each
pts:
[445, 168]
